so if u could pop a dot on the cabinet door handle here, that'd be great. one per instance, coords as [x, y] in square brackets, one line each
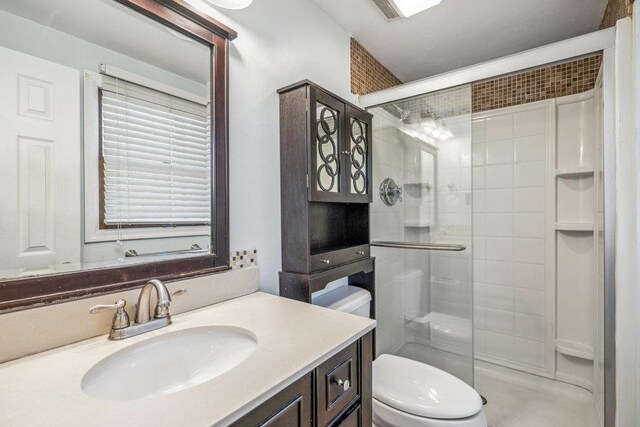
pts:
[344, 384]
[325, 261]
[360, 252]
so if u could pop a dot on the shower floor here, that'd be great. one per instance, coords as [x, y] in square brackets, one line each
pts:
[517, 399]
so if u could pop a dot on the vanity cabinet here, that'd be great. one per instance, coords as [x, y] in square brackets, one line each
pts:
[326, 188]
[292, 407]
[335, 393]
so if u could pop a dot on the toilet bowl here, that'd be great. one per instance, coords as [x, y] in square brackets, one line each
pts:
[408, 393]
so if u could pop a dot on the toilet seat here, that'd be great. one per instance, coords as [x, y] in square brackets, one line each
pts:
[417, 390]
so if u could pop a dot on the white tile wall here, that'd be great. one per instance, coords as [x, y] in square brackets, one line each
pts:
[509, 171]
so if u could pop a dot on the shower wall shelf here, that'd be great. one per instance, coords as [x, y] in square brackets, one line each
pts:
[574, 172]
[574, 205]
[565, 226]
[325, 180]
[574, 349]
[418, 224]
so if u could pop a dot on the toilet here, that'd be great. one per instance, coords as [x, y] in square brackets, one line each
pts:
[408, 393]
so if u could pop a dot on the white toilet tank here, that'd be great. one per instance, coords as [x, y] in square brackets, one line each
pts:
[350, 299]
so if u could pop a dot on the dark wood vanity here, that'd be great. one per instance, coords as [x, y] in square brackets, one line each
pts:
[325, 172]
[336, 393]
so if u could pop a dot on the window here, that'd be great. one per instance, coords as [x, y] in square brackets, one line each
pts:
[155, 157]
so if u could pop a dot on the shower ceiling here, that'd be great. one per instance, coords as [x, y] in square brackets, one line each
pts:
[459, 33]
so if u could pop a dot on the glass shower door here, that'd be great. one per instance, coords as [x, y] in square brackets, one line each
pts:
[421, 229]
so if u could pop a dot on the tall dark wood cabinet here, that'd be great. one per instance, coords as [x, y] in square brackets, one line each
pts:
[326, 188]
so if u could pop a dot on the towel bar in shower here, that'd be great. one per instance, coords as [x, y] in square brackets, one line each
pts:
[423, 246]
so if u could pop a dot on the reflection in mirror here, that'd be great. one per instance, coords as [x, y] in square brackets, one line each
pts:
[106, 138]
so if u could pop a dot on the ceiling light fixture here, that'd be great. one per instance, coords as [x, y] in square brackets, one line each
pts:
[411, 7]
[229, 4]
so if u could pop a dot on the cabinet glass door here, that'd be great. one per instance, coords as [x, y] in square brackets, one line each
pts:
[327, 115]
[358, 156]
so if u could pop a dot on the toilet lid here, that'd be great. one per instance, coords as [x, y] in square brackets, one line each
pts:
[422, 390]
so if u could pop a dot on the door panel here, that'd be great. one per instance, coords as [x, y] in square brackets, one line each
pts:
[40, 142]
[325, 160]
[357, 163]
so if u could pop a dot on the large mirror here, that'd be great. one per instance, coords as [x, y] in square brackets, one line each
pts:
[106, 137]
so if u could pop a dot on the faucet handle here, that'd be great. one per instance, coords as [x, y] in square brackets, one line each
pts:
[104, 307]
[120, 319]
[179, 292]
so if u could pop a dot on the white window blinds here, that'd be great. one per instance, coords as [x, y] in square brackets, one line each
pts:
[156, 153]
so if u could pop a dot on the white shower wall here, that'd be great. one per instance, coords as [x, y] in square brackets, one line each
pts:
[534, 259]
[513, 288]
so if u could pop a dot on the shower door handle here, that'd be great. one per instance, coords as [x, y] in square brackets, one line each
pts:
[422, 246]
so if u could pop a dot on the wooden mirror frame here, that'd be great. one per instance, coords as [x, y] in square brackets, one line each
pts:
[29, 291]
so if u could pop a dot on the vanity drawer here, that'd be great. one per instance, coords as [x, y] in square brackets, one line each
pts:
[337, 384]
[342, 256]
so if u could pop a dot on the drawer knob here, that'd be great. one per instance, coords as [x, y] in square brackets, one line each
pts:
[360, 252]
[344, 384]
[325, 261]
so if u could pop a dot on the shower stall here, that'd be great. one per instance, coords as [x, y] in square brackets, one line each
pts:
[490, 226]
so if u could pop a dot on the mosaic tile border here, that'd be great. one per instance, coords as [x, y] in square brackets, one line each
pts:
[243, 259]
[367, 73]
[554, 81]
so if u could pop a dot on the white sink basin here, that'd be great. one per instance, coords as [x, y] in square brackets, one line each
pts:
[168, 363]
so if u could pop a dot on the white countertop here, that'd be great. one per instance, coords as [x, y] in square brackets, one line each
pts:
[293, 337]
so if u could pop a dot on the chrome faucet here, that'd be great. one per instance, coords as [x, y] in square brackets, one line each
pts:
[121, 327]
[143, 309]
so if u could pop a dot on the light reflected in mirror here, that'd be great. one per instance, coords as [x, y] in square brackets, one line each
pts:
[106, 138]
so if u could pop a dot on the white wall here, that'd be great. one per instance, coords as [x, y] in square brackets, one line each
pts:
[279, 42]
[29, 37]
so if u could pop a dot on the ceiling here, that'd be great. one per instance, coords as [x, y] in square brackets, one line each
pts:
[459, 33]
[116, 27]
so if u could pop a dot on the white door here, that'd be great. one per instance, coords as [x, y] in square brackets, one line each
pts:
[39, 165]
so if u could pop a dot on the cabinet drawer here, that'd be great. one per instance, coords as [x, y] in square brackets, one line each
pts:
[337, 384]
[341, 256]
[351, 419]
